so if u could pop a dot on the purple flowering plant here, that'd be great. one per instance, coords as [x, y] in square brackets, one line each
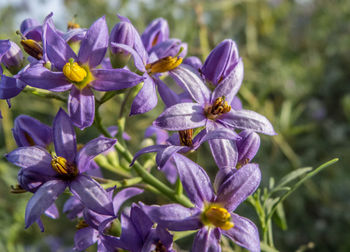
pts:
[105, 180]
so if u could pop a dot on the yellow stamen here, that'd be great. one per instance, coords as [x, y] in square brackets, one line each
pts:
[186, 137]
[72, 25]
[81, 224]
[63, 167]
[163, 65]
[219, 107]
[33, 48]
[74, 72]
[218, 217]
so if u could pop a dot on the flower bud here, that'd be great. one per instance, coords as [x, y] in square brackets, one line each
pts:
[122, 33]
[11, 56]
[28, 131]
[156, 32]
[170, 47]
[247, 147]
[220, 62]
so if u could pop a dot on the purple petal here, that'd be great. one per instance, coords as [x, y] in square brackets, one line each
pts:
[91, 194]
[123, 196]
[42, 199]
[246, 119]
[161, 135]
[195, 180]
[35, 158]
[146, 99]
[207, 240]
[130, 238]
[219, 133]
[40, 77]
[148, 149]
[141, 221]
[94, 45]
[165, 154]
[64, 136]
[170, 171]
[52, 211]
[56, 48]
[181, 116]
[239, 186]
[138, 61]
[168, 96]
[236, 103]
[169, 47]
[81, 107]
[85, 238]
[73, 208]
[244, 233]
[188, 78]
[8, 87]
[230, 85]
[174, 217]
[91, 150]
[114, 79]
[73, 35]
[224, 152]
[29, 131]
[157, 31]
[193, 61]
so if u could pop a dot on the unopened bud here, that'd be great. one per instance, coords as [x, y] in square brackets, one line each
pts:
[11, 56]
[247, 147]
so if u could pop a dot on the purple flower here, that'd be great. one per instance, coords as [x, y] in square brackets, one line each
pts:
[96, 226]
[183, 143]
[64, 170]
[212, 214]
[247, 146]
[212, 110]
[78, 73]
[138, 233]
[194, 62]
[151, 67]
[220, 62]
[28, 131]
[156, 32]
[31, 29]
[11, 56]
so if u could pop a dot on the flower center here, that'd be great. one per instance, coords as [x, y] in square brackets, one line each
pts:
[79, 75]
[218, 217]
[160, 247]
[63, 167]
[219, 107]
[72, 25]
[186, 137]
[163, 65]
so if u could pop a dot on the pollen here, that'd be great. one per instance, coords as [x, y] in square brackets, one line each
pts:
[219, 107]
[163, 65]
[74, 72]
[217, 216]
[63, 167]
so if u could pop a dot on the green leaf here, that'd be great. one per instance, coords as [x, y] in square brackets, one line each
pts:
[280, 218]
[291, 176]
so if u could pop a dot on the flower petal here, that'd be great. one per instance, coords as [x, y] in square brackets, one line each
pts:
[174, 217]
[52, 211]
[114, 79]
[207, 240]
[224, 152]
[231, 84]
[92, 149]
[85, 238]
[146, 99]
[244, 233]
[81, 107]
[168, 96]
[188, 78]
[35, 158]
[91, 194]
[247, 119]
[237, 187]
[123, 196]
[94, 45]
[181, 116]
[165, 154]
[148, 149]
[64, 136]
[8, 87]
[138, 61]
[73, 208]
[42, 199]
[130, 238]
[195, 180]
[56, 48]
[40, 77]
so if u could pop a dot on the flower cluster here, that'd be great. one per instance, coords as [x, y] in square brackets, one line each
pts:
[72, 66]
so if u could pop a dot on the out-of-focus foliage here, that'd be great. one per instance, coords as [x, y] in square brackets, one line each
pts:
[296, 56]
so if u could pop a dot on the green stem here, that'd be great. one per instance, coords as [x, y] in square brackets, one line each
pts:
[107, 183]
[44, 93]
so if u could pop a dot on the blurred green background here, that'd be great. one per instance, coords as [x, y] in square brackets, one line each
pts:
[296, 56]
